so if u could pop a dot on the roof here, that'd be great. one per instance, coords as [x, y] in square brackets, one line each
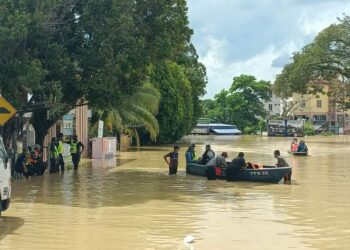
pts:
[226, 131]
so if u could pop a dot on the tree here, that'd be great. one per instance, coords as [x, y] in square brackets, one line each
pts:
[176, 71]
[241, 105]
[324, 60]
[175, 115]
[138, 109]
[70, 52]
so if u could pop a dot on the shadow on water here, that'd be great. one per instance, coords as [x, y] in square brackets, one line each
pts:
[9, 224]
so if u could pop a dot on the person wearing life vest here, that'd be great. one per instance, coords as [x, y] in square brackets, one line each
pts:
[53, 152]
[37, 159]
[294, 146]
[60, 152]
[76, 148]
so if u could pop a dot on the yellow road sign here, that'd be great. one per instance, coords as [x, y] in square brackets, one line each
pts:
[6, 111]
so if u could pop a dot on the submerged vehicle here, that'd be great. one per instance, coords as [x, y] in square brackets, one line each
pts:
[5, 178]
[269, 174]
[298, 153]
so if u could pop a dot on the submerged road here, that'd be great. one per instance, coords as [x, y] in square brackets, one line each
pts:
[131, 203]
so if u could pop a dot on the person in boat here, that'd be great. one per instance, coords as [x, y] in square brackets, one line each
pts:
[294, 146]
[218, 161]
[189, 154]
[214, 166]
[207, 156]
[193, 146]
[235, 167]
[302, 147]
[281, 162]
[173, 160]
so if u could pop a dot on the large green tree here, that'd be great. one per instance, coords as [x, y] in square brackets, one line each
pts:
[176, 72]
[67, 52]
[241, 105]
[326, 59]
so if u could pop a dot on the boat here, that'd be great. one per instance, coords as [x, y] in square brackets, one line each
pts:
[298, 153]
[269, 174]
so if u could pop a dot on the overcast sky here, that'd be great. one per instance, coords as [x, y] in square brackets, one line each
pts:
[257, 37]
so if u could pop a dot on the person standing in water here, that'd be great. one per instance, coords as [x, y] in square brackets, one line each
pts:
[281, 162]
[76, 148]
[60, 152]
[173, 160]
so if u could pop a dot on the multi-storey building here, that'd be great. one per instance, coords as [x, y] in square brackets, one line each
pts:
[273, 106]
[322, 110]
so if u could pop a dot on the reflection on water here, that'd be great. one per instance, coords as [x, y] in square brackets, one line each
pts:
[132, 203]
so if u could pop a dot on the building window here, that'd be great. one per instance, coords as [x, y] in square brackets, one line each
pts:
[320, 118]
[270, 107]
[270, 93]
[319, 103]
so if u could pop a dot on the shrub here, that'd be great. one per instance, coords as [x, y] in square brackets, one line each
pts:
[309, 129]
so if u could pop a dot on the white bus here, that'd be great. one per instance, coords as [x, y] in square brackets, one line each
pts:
[5, 178]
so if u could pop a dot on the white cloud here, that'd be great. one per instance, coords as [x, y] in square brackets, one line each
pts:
[236, 37]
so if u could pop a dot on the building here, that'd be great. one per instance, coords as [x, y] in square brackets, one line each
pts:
[322, 110]
[273, 106]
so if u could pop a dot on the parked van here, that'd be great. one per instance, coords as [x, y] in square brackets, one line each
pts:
[5, 178]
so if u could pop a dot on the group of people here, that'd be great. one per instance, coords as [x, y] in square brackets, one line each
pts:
[215, 164]
[30, 161]
[298, 147]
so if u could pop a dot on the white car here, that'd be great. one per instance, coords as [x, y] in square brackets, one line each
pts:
[5, 178]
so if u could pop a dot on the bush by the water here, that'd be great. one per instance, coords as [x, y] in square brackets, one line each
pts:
[309, 129]
[250, 130]
[327, 133]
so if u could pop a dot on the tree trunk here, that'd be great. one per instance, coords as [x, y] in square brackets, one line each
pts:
[41, 126]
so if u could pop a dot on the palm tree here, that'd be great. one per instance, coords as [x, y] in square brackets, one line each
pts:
[138, 109]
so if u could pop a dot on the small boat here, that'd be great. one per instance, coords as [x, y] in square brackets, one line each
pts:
[269, 174]
[298, 153]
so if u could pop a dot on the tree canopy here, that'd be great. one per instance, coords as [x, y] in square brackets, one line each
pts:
[325, 59]
[241, 105]
[67, 52]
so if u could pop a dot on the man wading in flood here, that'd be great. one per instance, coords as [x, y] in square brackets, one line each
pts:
[76, 148]
[174, 160]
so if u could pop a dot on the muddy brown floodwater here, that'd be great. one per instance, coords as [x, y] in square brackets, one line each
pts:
[132, 203]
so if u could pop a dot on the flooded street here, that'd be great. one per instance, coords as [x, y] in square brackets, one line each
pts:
[132, 203]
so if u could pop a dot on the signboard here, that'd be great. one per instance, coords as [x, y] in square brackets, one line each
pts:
[286, 128]
[6, 111]
[100, 129]
[68, 126]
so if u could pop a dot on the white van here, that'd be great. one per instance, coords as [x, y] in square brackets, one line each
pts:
[5, 178]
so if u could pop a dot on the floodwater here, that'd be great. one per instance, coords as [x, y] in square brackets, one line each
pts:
[132, 203]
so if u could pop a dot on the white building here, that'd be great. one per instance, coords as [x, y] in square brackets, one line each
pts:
[273, 106]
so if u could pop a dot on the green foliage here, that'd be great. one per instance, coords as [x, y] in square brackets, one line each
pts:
[309, 128]
[175, 115]
[241, 105]
[138, 109]
[325, 59]
[326, 133]
[250, 130]
[66, 52]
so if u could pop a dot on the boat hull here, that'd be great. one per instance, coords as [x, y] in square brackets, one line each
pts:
[266, 174]
[298, 153]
